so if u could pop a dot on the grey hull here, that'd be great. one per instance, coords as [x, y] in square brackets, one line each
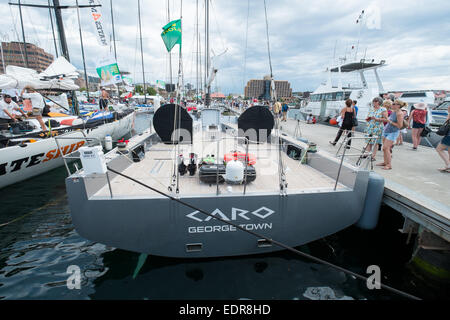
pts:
[160, 226]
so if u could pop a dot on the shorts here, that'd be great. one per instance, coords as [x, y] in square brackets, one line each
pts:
[392, 136]
[418, 125]
[446, 141]
[37, 112]
[103, 104]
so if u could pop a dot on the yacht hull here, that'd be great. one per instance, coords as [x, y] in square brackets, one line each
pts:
[18, 163]
[164, 227]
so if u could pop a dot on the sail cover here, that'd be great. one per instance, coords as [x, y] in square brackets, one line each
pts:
[59, 76]
[256, 124]
[164, 124]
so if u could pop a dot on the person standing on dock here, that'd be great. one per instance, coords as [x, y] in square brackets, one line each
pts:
[402, 131]
[103, 103]
[277, 109]
[374, 126]
[347, 114]
[284, 109]
[419, 118]
[445, 144]
[391, 131]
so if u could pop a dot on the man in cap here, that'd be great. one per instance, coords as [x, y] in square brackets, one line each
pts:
[7, 108]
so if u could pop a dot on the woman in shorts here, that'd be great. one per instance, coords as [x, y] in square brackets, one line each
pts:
[391, 132]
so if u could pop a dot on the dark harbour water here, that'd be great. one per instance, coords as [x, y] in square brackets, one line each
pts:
[37, 249]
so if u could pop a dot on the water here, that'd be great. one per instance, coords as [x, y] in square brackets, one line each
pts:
[37, 249]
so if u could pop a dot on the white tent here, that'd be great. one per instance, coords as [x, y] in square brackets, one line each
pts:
[59, 75]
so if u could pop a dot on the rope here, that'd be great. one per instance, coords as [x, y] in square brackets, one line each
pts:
[279, 244]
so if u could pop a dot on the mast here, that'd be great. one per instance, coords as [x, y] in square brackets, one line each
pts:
[170, 53]
[23, 35]
[53, 29]
[114, 41]
[208, 88]
[82, 51]
[196, 64]
[180, 60]
[60, 26]
[142, 53]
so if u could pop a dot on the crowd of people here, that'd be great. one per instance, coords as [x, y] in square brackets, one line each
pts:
[387, 121]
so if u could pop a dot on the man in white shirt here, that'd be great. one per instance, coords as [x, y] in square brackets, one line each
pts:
[7, 108]
[37, 102]
[13, 93]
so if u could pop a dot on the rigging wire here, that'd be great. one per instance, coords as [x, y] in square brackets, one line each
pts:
[17, 35]
[245, 51]
[260, 236]
[281, 173]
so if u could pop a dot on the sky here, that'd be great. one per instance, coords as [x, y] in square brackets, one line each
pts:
[305, 37]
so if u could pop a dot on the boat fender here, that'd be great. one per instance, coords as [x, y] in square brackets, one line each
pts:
[108, 142]
[372, 204]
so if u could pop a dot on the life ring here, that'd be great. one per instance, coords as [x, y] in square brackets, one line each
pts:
[239, 156]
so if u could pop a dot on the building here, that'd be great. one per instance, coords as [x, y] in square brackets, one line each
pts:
[260, 89]
[94, 82]
[13, 53]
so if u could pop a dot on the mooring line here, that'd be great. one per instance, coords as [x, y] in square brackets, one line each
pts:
[27, 214]
[282, 245]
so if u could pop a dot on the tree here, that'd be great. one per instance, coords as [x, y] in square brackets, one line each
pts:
[138, 89]
[229, 97]
[151, 91]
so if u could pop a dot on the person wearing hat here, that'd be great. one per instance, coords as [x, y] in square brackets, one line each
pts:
[37, 103]
[418, 117]
[7, 108]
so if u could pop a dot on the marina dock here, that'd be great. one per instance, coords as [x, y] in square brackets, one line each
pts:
[414, 187]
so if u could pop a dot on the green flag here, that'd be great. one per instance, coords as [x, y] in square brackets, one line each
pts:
[171, 34]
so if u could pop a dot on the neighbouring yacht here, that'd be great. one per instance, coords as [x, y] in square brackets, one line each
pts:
[346, 80]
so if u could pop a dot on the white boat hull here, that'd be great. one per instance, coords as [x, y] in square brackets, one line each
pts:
[18, 163]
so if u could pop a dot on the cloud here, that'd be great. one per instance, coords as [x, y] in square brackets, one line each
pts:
[304, 38]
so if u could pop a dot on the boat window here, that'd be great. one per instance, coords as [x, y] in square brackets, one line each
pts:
[328, 96]
[414, 95]
[339, 95]
[333, 96]
[443, 106]
[347, 95]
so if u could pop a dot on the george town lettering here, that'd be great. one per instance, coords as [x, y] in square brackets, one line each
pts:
[235, 214]
[16, 165]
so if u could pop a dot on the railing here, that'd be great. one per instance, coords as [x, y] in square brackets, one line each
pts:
[362, 155]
